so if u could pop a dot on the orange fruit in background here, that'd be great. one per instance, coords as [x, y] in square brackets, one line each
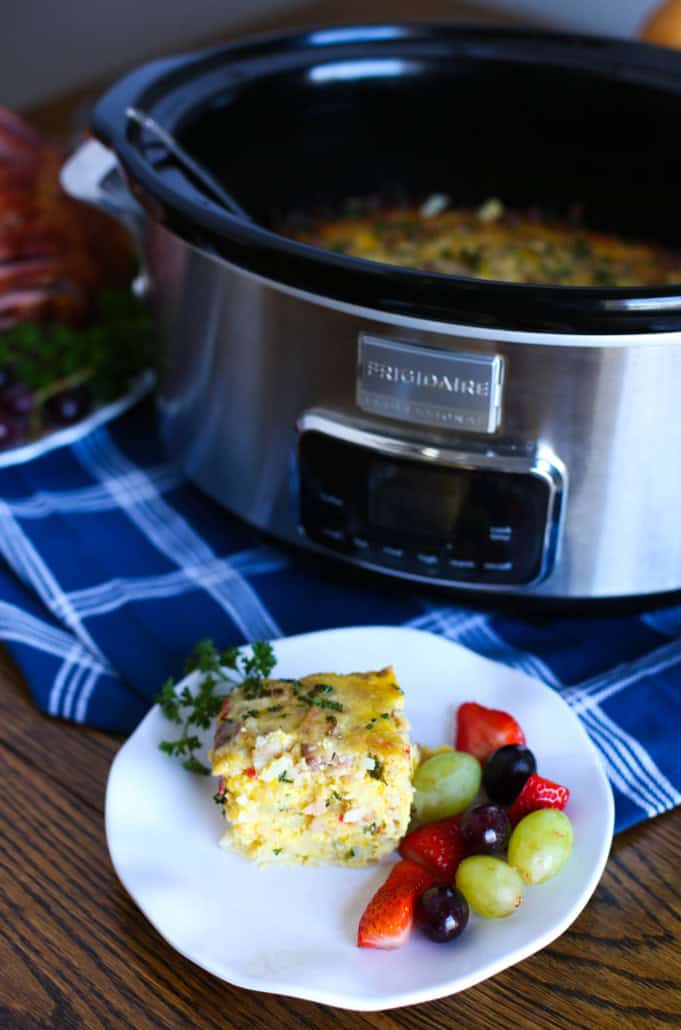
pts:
[663, 25]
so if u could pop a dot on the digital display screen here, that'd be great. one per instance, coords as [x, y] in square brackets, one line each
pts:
[428, 503]
[480, 525]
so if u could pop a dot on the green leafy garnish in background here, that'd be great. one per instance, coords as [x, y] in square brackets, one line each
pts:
[106, 354]
[198, 709]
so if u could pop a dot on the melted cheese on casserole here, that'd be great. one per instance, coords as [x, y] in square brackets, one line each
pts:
[317, 769]
[492, 243]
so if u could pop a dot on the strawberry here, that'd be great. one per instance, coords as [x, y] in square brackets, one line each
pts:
[388, 918]
[437, 846]
[480, 731]
[538, 793]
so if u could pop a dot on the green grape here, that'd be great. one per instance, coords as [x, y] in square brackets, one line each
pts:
[540, 845]
[445, 784]
[491, 887]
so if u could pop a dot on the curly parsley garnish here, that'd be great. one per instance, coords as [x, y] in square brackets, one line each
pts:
[198, 709]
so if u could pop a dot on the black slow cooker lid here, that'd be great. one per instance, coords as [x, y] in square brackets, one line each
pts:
[298, 122]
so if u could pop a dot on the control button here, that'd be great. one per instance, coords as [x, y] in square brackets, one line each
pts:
[461, 563]
[501, 533]
[328, 498]
[393, 552]
[497, 566]
[428, 558]
[333, 534]
[360, 542]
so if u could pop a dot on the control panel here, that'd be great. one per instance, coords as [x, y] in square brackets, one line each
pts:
[424, 515]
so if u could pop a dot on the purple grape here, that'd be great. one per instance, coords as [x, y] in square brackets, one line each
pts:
[485, 830]
[69, 406]
[442, 913]
[17, 399]
[506, 771]
[8, 431]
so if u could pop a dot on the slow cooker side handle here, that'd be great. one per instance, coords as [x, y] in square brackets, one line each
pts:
[92, 174]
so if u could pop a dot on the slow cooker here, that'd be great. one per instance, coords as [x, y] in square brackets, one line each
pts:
[454, 431]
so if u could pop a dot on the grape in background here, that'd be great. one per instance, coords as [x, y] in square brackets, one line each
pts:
[18, 402]
[69, 406]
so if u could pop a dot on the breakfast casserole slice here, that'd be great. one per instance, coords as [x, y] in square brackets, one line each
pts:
[315, 770]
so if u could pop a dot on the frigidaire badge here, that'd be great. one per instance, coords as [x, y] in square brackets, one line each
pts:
[432, 387]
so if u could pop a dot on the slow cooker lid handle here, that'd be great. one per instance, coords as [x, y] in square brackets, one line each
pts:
[92, 174]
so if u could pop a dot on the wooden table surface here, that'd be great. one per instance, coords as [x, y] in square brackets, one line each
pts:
[76, 952]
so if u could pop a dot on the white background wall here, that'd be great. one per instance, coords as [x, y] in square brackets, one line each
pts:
[50, 46]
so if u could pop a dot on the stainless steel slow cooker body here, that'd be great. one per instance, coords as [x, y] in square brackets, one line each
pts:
[485, 436]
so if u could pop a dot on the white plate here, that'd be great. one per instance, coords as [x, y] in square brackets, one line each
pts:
[292, 931]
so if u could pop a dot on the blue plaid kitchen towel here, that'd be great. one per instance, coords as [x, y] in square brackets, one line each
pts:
[112, 566]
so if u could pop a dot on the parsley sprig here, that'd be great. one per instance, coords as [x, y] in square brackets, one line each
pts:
[117, 345]
[198, 708]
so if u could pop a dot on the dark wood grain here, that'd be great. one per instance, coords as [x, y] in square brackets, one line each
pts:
[76, 953]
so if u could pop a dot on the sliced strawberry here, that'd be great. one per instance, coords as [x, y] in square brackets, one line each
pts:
[388, 919]
[538, 793]
[480, 730]
[388, 922]
[438, 846]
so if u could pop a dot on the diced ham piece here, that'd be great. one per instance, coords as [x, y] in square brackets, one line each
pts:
[312, 757]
